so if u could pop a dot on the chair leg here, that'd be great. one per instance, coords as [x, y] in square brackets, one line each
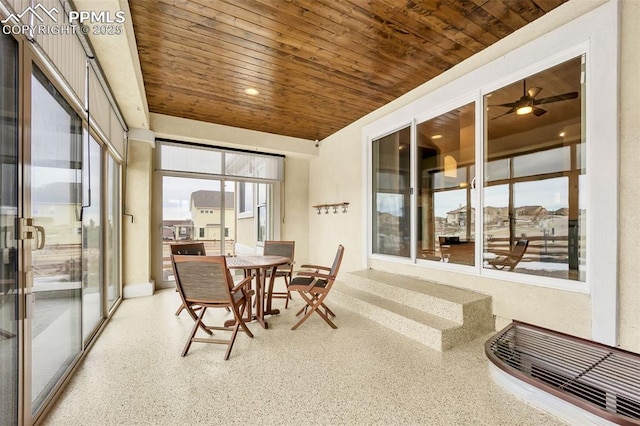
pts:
[314, 303]
[231, 341]
[240, 320]
[306, 315]
[180, 309]
[325, 317]
[192, 313]
[305, 307]
[286, 283]
[328, 311]
[197, 325]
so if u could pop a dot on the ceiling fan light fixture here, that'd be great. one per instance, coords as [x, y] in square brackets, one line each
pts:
[524, 110]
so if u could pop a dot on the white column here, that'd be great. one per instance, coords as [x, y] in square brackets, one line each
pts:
[137, 222]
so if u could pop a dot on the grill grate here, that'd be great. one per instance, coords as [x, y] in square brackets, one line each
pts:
[601, 379]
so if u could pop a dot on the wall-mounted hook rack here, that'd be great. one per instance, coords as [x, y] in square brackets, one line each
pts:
[335, 206]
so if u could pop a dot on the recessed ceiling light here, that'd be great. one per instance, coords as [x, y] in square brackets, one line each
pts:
[438, 136]
[562, 134]
[251, 91]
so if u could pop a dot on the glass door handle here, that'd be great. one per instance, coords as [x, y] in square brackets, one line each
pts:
[40, 237]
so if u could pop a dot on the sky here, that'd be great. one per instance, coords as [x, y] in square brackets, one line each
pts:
[176, 193]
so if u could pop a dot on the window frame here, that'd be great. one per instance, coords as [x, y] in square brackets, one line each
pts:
[594, 34]
[477, 96]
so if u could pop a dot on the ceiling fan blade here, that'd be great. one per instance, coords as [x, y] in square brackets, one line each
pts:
[512, 110]
[538, 111]
[509, 105]
[534, 91]
[557, 98]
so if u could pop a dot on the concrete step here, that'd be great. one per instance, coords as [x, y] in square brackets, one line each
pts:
[435, 315]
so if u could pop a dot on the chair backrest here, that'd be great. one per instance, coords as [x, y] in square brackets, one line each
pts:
[193, 249]
[280, 248]
[202, 278]
[518, 251]
[337, 261]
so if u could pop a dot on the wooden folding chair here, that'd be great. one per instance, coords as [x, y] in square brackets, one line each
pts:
[190, 249]
[512, 259]
[285, 249]
[314, 287]
[205, 282]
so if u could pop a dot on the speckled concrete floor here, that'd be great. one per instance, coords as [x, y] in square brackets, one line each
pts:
[359, 374]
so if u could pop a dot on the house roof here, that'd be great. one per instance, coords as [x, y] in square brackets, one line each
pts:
[462, 209]
[185, 222]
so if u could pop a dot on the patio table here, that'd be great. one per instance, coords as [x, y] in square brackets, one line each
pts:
[259, 264]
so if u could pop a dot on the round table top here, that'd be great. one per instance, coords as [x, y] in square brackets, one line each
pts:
[256, 261]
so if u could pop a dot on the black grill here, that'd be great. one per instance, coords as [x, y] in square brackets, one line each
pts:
[601, 379]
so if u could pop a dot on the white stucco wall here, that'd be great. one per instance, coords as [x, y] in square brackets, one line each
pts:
[136, 273]
[295, 219]
[339, 170]
[629, 174]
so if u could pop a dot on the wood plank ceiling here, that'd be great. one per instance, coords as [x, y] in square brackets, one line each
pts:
[319, 65]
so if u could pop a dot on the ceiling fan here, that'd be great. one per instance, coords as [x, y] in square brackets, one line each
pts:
[529, 104]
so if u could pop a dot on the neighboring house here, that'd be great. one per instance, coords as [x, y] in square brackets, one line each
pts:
[177, 229]
[459, 216]
[205, 208]
[496, 215]
[532, 214]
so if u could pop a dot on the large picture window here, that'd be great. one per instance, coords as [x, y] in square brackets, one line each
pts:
[224, 201]
[425, 193]
[534, 180]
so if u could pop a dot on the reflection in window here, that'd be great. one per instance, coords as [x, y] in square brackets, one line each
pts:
[445, 165]
[534, 178]
[391, 196]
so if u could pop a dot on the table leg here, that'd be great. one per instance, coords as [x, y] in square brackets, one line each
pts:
[260, 298]
[270, 311]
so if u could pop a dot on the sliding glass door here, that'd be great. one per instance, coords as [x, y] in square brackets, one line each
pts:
[8, 238]
[55, 206]
[92, 253]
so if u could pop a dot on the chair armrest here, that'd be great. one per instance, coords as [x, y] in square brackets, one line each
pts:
[241, 284]
[316, 267]
[314, 275]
